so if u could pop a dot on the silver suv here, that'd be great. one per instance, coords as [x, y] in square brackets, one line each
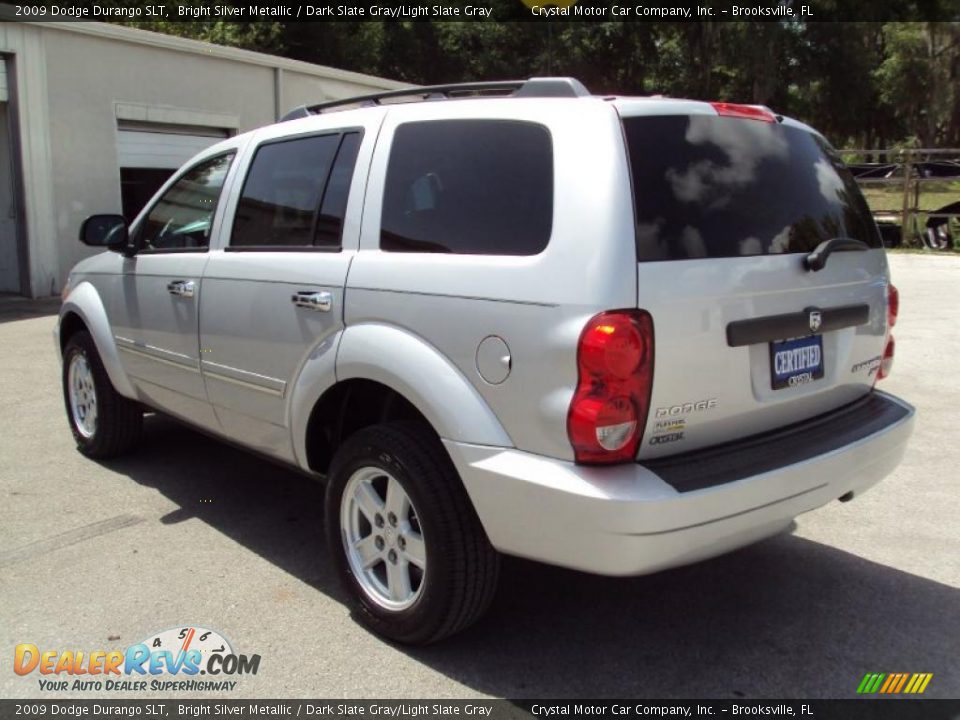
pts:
[614, 334]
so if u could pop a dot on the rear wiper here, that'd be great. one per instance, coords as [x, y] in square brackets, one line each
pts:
[817, 260]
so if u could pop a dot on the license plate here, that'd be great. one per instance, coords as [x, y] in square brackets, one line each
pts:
[796, 362]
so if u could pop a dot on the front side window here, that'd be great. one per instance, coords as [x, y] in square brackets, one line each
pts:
[183, 217]
[475, 187]
[296, 193]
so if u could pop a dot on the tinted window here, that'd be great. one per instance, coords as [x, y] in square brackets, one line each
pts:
[469, 186]
[707, 186]
[334, 205]
[182, 217]
[282, 192]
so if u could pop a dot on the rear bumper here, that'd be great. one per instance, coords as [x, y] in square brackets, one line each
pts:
[627, 520]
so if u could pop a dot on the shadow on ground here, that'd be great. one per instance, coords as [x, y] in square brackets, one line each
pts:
[788, 617]
[13, 307]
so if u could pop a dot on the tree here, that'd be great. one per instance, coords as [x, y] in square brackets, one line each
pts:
[918, 79]
[865, 83]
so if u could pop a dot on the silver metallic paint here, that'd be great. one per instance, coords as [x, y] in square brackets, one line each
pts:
[624, 520]
[414, 321]
[85, 301]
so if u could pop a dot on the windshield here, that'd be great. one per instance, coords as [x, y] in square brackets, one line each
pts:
[707, 186]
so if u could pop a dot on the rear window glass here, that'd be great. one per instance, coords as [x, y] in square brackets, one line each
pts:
[469, 187]
[707, 186]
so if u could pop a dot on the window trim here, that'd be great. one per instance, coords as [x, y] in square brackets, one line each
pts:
[284, 248]
[312, 247]
[145, 214]
[170, 251]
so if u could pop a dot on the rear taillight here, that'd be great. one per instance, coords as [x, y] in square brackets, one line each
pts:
[609, 409]
[886, 364]
[893, 305]
[893, 309]
[746, 112]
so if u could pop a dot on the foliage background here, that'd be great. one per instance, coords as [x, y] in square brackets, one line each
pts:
[865, 84]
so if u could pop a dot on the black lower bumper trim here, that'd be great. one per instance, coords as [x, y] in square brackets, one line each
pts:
[768, 451]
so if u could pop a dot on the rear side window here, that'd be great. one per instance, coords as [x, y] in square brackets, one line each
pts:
[475, 187]
[295, 193]
[707, 186]
[334, 205]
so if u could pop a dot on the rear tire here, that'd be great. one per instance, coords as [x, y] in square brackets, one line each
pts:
[405, 539]
[104, 423]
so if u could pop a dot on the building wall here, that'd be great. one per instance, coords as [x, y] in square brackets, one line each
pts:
[84, 78]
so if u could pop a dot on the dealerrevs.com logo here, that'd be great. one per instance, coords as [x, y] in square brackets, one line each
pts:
[179, 659]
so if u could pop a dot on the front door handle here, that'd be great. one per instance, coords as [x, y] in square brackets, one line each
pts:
[321, 301]
[182, 288]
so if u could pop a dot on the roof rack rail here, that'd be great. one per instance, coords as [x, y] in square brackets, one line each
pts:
[542, 87]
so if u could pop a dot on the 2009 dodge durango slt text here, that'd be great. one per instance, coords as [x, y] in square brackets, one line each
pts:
[613, 334]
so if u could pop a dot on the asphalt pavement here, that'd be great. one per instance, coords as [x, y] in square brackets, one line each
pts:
[191, 532]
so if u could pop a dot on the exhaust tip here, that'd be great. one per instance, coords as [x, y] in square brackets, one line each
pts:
[846, 497]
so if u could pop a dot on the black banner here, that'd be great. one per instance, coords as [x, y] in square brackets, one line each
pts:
[480, 10]
[106, 709]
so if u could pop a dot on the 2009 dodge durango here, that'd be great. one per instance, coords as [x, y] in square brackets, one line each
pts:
[613, 334]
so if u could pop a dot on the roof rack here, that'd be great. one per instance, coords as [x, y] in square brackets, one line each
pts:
[543, 87]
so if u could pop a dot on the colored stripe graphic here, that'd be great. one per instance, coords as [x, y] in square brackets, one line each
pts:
[903, 681]
[918, 683]
[894, 683]
[870, 683]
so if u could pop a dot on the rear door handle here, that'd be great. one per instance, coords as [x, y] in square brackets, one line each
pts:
[321, 301]
[182, 288]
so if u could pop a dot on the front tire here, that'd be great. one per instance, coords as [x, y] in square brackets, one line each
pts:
[405, 539]
[104, 423]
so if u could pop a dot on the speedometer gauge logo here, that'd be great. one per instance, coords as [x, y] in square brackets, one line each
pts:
[182, 640]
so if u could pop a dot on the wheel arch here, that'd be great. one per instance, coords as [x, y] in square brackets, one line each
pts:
[383, 373]
[83, 310]
[348, 407]
[70, 324]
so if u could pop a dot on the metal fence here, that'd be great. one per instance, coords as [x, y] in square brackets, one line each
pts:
[907, 172]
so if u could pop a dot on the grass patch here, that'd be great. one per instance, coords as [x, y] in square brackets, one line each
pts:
[932, 196]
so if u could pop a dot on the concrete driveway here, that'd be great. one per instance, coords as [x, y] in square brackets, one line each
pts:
[192, 532]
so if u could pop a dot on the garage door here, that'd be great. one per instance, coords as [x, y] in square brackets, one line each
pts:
[159, 148]
[4, 93]
[149, 153]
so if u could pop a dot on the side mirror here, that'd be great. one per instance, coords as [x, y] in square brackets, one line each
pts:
[109, 231]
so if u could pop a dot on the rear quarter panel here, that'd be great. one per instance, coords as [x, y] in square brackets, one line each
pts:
[537, 304]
